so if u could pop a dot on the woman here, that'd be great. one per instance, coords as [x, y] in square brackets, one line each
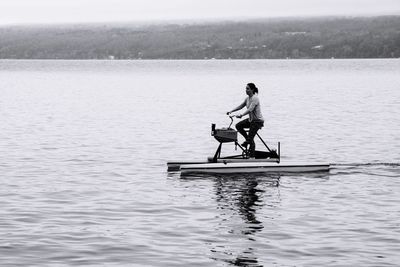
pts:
[255, 120]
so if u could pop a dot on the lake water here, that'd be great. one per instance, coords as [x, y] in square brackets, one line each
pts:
[84, 146]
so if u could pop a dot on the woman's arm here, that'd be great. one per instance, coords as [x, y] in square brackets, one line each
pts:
[252, 106]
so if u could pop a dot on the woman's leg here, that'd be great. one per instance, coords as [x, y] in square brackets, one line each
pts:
[241, 125]
[254, 127]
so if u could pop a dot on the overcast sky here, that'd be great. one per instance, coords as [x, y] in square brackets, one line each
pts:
[78, 11]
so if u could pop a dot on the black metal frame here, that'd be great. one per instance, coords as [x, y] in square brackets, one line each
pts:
[245, 152]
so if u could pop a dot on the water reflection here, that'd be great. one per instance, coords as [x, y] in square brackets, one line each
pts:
[241, 196]
[247, 206]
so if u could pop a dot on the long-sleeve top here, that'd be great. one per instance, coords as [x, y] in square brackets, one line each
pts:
[253, 108]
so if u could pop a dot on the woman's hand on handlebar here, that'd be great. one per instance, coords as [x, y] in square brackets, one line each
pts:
[231, 116]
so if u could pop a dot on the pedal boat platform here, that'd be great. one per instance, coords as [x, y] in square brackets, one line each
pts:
[264, 161]
[248, 166]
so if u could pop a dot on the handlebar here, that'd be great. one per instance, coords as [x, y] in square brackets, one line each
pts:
[231, 117]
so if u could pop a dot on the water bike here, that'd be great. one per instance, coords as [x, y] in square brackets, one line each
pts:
[266, 160]
[229, 135]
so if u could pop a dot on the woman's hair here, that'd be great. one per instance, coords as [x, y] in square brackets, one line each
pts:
[253, 88]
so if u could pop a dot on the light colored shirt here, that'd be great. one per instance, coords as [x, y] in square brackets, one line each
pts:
[253, 108]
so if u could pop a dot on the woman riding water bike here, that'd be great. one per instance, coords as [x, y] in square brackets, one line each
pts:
[254, 122]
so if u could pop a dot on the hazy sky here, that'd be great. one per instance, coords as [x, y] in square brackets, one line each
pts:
[77, 11]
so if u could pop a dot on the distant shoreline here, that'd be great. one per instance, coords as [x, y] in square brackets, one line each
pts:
[312, 38]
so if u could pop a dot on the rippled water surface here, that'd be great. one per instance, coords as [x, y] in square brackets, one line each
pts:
[84, 146]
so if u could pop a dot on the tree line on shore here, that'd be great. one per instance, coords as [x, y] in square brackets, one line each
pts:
[330, 37]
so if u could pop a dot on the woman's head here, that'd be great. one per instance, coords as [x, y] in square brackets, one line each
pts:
[252, 87]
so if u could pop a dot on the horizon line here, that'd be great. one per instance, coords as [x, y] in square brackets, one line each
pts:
[190, 21]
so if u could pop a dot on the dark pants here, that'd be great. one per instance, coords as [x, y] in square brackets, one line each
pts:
[253, 127]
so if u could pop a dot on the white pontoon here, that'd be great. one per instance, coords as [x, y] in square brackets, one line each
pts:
[247, 167]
